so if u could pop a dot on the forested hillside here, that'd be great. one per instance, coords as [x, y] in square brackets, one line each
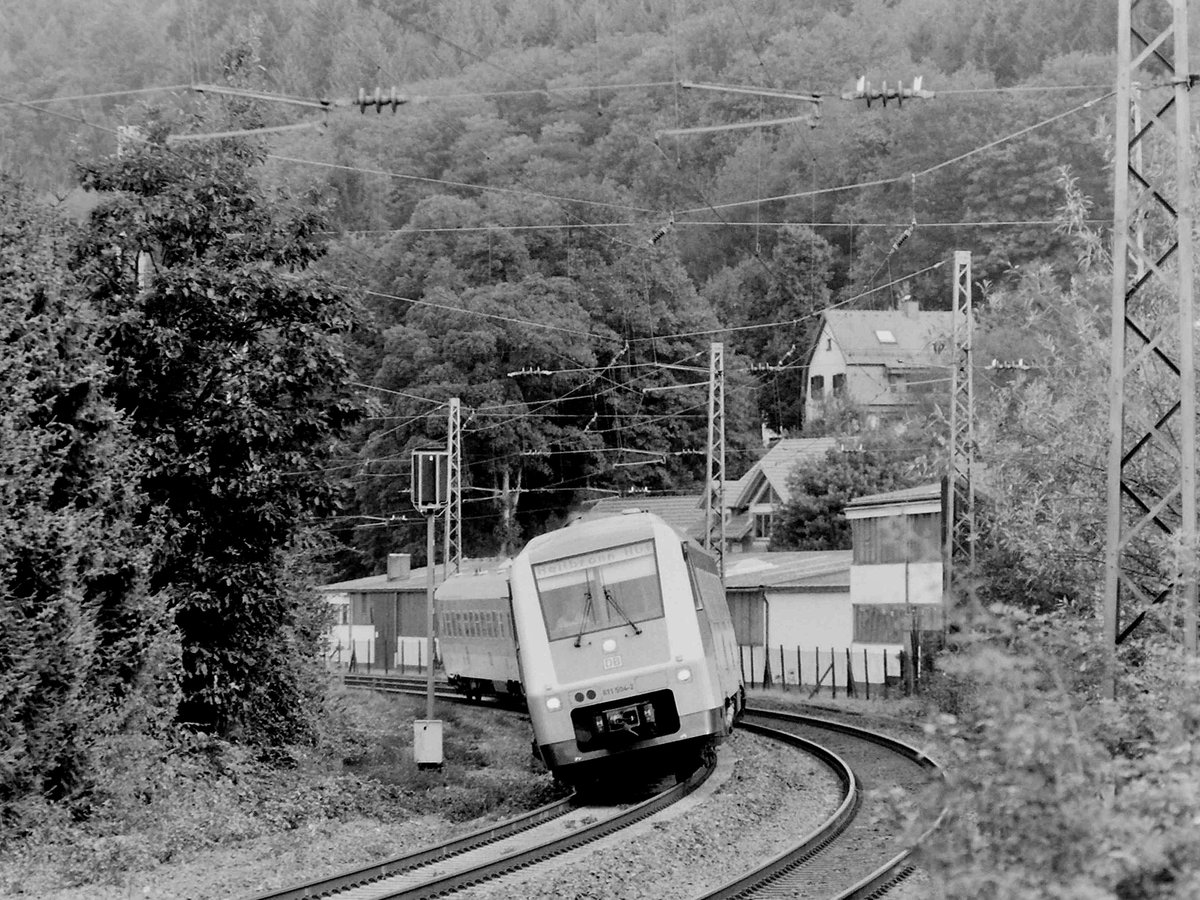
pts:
[234, 301]
[535, 175]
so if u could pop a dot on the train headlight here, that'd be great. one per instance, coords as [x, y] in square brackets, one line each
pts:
[553, 703]
[683, 674]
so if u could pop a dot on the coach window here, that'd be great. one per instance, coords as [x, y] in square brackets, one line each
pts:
[604, 589]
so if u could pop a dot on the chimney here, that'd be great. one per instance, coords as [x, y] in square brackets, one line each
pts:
[911, 308]
[399, 566]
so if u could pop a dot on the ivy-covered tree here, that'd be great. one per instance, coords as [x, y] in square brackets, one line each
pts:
[228, 361]
[84, 645]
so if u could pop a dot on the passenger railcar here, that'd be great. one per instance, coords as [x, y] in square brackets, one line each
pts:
[627, 649]
[476, 638]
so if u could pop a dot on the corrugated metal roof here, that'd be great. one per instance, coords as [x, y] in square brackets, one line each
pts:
[790, 568]
[920, 493]
[416, 580]
[857, 333]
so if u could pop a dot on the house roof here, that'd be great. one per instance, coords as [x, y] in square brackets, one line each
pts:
[416, 580]
[924, 495]
[861, 336]
[789, 569]
[775, 467]
[683, 512]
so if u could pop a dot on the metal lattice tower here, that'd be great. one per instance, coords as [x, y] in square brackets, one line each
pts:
[453, 538]
[714, 493]
[1152, 415]
[960, 489]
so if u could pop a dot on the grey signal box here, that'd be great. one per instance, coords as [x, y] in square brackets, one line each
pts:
[430, 479]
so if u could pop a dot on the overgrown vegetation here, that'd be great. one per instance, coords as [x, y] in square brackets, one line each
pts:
[164, 802]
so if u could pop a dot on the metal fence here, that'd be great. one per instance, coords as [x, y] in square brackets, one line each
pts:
[865, 672]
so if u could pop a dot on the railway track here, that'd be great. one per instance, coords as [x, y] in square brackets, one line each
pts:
[849, 857]
[489, 853]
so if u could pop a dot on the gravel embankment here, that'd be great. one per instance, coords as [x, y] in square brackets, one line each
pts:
[765, 797]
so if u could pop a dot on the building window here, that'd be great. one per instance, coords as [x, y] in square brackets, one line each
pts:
[839, 384]
[897, 539]
[817, 385]
[762, 526]
[891, 623]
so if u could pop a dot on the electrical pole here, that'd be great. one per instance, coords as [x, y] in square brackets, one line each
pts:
[960, 488]
[1151, 488]
[714, 493]
[452, 542]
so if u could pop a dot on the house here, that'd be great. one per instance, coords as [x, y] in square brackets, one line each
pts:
[800, 616]
[754, 499]
[880, 360]
[786, 604]
[380, 620]
[750, 502]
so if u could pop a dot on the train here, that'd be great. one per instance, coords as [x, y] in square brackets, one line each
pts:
[626, 649]
[476, 640]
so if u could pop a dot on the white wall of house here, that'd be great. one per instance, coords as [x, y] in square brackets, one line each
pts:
[827, 361]
[810, 619]
[890, 583]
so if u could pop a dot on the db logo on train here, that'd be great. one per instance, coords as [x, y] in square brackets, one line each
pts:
[612, 662]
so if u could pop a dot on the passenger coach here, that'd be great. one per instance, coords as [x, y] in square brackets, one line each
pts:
[626, 647]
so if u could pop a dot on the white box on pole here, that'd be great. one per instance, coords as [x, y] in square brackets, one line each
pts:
[427, 742]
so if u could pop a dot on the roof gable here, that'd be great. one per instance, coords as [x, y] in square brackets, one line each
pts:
[890, 337]
[776, 465]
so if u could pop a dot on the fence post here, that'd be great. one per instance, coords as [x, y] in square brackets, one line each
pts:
[782, 669]
[817, 676]
[905, 673]
[851, 691]
[887, 690]
[867, 673]
[799, 671]
[832, 675]
[742, 662]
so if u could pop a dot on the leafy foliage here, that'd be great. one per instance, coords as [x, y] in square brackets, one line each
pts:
[230, 367]
[869, 462]
[1102, 804]
[84, 640]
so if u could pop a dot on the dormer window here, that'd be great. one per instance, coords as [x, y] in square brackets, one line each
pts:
[884, 336]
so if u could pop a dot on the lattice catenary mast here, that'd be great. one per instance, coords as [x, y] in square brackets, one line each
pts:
[960, 488]
[1152, 416]
[714, 492]
[453, 536]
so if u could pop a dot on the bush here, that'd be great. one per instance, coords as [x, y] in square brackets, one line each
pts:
[1053, 792]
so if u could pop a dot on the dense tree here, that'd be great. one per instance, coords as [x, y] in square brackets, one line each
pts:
[84, 643]
[228, 361]
[865, 462]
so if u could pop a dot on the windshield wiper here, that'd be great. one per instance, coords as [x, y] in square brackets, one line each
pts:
[612, 601]
[583, 620]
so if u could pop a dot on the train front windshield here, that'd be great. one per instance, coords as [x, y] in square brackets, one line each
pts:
[598, 590]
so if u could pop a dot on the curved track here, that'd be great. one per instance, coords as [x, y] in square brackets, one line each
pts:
[854, 854]
[851, 855]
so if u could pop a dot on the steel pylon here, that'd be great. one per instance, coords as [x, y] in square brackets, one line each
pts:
[1151, 471]
[453, 530]
[714, 493]
[960, 487]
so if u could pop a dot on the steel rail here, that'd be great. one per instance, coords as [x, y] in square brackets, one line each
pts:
[877, 882]
[324, 887]
[815, 841]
